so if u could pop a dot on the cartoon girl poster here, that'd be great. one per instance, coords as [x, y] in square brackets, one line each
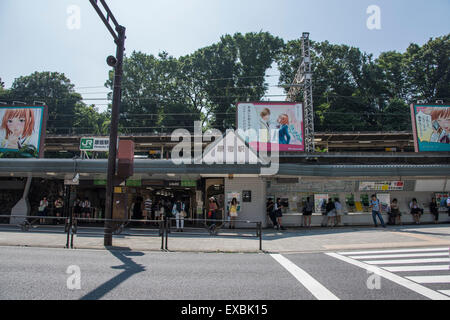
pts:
[20, 129]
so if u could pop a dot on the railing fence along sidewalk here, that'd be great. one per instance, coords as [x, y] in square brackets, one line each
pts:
[74, 226]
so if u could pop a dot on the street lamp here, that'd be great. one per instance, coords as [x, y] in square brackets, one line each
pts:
[119, 39]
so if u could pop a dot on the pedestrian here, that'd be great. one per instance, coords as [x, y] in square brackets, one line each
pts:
[307, 212]
[376, 207]
[179, 211]
[59, 204]
[271, 212]
[339, 211]
[448, 206]
[213, 207]
[86, 208]
[395, 212]
[137, 208]
[148, 208]
[279, 213]
[233, 212]
[43, 208]
[331, 212]
[434, 210]
[77, 209]
[415, 210]
[323, 210]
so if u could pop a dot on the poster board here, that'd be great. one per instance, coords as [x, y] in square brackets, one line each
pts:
[22, 131]
[318, 200]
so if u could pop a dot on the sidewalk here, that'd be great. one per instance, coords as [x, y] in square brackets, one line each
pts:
[291, 240]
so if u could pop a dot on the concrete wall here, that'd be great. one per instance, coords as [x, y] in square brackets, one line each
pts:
[254, 210]
[359, 219]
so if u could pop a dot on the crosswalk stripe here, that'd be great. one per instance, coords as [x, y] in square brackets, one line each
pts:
[402, 255]
[430, 279]
[406, 261]
[315, 287]
[447, 292]
[438, 267]
[434, 295]
[395, 251]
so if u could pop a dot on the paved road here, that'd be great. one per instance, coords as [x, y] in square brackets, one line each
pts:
[386, 274]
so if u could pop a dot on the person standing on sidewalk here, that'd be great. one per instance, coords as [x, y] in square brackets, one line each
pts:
[233, 212]
[271, 212]
[331, 212]
[415, 210]
[434, 210]
[177, 210]
[59, 204]
[339, 211]
[43, 205]
[279, 214]
[376, 207]
[309, 205]
[323, 209]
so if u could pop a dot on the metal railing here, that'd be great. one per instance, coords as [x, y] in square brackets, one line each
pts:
[74, 226]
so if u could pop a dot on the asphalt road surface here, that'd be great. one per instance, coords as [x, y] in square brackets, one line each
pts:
[385, 274]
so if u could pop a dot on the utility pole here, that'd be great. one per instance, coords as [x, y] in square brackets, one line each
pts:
[118, 33]
[303, 81]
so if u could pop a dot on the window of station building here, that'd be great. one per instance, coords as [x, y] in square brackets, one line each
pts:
[350, 201]
[365, 200]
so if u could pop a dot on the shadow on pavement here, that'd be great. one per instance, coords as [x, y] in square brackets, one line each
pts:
[129, 268]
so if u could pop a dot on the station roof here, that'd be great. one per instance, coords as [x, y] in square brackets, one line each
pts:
[150, 169]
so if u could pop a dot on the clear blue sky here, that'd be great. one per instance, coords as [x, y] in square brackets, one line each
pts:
[35, 37]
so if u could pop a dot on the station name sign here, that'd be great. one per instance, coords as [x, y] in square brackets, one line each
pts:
[94, 144]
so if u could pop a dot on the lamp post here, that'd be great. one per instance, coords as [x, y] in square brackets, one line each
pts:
[117, 62]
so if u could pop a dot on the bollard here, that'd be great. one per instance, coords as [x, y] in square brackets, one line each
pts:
[260, 235]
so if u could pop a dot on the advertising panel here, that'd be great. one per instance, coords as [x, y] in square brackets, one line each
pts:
[22, 131]
[431, 127]
[270, 125]
[381, 185]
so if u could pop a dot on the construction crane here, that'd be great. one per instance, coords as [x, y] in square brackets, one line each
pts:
[303, 81]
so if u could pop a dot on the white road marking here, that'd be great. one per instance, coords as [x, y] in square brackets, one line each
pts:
[447, 292]
[430, 279]
[317, 289]
[402, 261]
[434, 295]
[395, 251]
[436, 267]
[401, 255]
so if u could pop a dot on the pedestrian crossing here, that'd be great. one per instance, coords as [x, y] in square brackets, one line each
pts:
[423, 270]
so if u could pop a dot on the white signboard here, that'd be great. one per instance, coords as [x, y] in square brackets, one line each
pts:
[381, 185]
[94, 144]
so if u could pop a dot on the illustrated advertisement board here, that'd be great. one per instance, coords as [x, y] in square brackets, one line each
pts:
[431, 127]
[22, 131]
[271, 125]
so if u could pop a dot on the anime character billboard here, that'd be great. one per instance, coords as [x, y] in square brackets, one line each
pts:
[265, 125]
[431, 127]
[22, 131]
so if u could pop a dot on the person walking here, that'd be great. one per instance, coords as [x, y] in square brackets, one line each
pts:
[331, 212]
[43, 208]
[415, 210]
[179, 213]
[376, 207]
[148, 208]
[434, 210]
[307, 213]
[233, 212]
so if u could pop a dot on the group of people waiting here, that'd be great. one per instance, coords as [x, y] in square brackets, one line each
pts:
[44, 208]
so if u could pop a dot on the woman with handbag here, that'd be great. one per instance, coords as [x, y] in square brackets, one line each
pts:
[212, 213]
